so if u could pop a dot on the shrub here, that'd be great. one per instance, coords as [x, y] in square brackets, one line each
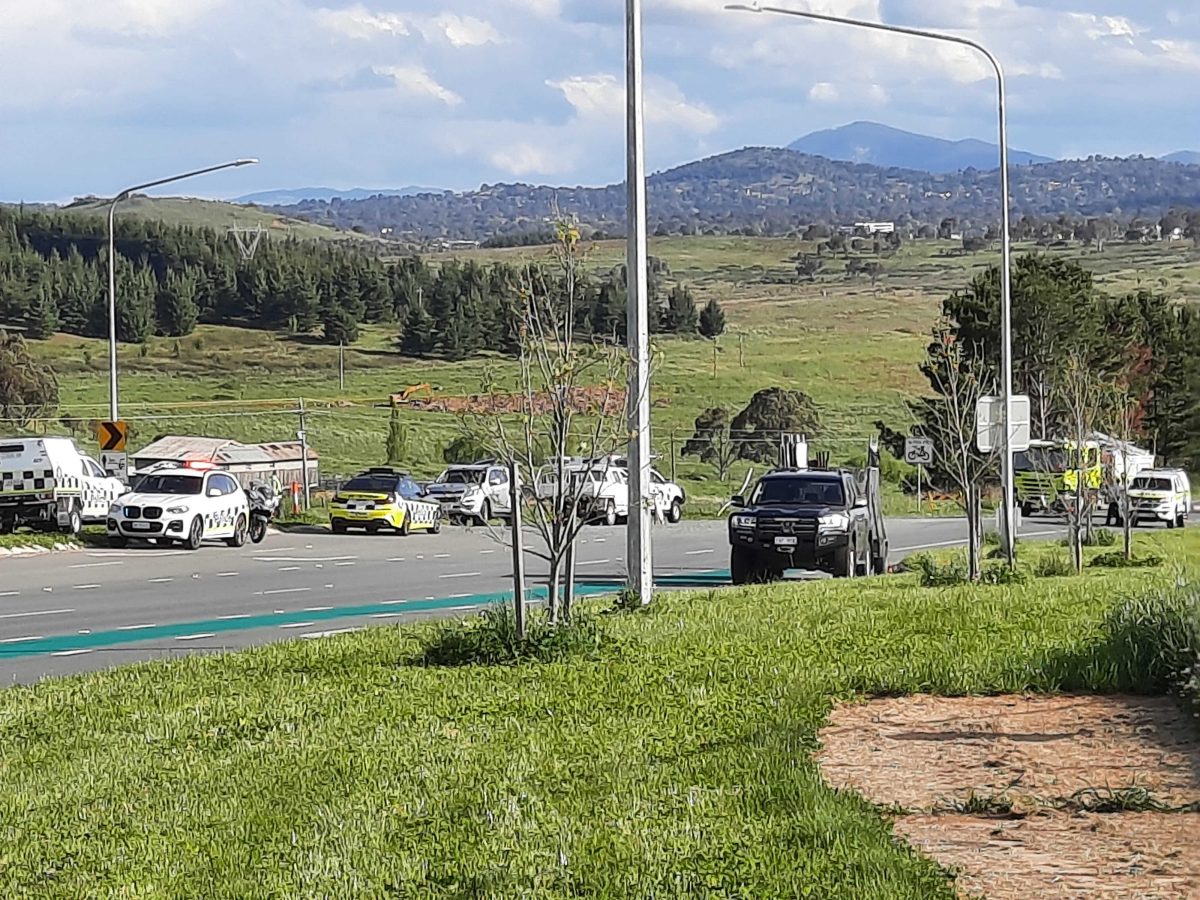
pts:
[935, 574]
[1117, 560]
[1054, 566]
[1101, 537]
[1002, 575]
[1154, 641]
[991, 538]
[491, 640]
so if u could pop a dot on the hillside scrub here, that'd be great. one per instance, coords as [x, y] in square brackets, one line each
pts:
[675, 763]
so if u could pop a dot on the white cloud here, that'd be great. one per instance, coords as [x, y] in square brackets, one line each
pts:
[603, 97]
[823, 92]
[360, 23]
[416, 82]
[524, 158]
[462, 31]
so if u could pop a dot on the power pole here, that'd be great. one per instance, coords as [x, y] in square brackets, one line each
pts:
[638, 549]
[302, 434]
[518, 549]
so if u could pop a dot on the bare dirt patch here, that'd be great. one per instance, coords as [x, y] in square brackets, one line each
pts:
[1066, 796]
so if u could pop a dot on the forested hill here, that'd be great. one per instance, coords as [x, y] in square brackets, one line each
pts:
[762, 190]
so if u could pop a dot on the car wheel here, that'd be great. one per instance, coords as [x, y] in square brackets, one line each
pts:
[405, 529]
[610, 513]
[743, 566]
[1170, 523]
[844, 565]
[485, 513]
[74, 522]
[239, 533]
[879, 563]
[675, 513]
[195, 534]
[436, 528]
[1026, 510]
[337, 526]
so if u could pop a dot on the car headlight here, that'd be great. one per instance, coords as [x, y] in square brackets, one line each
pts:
[834, 522]
[177, 510]
[743, 521]
[115, 509]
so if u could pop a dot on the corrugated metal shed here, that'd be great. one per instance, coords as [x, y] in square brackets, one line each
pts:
[279, 459]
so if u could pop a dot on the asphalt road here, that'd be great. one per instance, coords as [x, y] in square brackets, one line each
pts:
[71, 612]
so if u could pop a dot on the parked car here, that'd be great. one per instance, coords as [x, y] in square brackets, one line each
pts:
[1163, 495]
[187, 504]
[478, 492]
[383, 497]
[48, 485]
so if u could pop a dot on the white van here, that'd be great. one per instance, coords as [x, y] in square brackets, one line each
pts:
[1164, 495]
[48, 485]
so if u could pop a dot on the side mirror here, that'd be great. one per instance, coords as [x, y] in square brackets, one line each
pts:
[214, 492]
[860, 503]
[738, 501]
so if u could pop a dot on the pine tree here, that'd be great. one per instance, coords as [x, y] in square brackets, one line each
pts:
[135, 306]
[42, 320]
[397, 439]
[712, 319]
[680, 316]
[340, 327]
[417, 337]
[176, 305]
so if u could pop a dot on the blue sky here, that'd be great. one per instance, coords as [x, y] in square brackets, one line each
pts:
[96, 94]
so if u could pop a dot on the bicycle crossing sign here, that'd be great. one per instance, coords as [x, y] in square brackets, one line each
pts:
[112, 437]
[918, 451]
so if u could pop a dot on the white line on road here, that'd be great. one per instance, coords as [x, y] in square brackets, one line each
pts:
[339, 565]
[40, 612]
[289, 568]
[21, 640]
[276, 550]
[600, 540]
[320, 634]
[395, 602]
[486, 552]
[282, 591]
[385, 615]
[227, 574]
[10, 593]
[161, 580]
[457, 596]
[441, 556]
[86, 587]
[135, 627]
[317, 608]
[299, 625]
[96, 565]
[594, 562]
[700, 552]
[462, 575]
[196, 637]
[71, 652]
[303, 559]
[939, 544]
[396, 559]
[234, 616]
[469, 606]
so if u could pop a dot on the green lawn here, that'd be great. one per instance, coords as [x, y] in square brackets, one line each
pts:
[674, 763]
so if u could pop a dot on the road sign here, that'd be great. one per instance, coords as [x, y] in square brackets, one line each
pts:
[989, 423]
[112, 436]
[115, 463]
[918, 451]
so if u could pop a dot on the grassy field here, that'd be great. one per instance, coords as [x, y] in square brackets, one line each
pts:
[673, 761]
[853, 347]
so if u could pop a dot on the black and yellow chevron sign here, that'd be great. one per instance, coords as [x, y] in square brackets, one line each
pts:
[112, 436]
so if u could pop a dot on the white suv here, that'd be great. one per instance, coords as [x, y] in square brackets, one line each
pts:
[1164, 495]
[476, 492]
[186, 504]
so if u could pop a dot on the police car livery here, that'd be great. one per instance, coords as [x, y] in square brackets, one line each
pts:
[186, 504]
[384, 498]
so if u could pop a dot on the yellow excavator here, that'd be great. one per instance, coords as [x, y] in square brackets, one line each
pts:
[409, 392]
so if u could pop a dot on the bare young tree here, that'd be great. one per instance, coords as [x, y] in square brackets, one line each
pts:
[1123, 415]
[948, 419]
[1082, 394]
[562, 418]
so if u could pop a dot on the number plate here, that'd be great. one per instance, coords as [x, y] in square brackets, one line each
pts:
[785, 542]
[140, 526]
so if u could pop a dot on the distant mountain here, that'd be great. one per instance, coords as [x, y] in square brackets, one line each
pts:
[881, 145]
[1187, 157]
[769, 190]
[291, 196]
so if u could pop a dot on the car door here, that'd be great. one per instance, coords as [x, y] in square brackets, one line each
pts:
[221, 513]
[858, 517]
[99, 489]
[498, 489]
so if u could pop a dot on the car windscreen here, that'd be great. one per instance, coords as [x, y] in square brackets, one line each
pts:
[461, 476]
[1040, 459]
[1152, 484]
[169, 484]
[371, 484]
[798, 492]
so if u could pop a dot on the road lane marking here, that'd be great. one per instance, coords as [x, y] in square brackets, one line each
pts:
[339, 565]
[310, 635]
[963, 541]
[458, 596]
[594, 562]
[40, 612]
[441, 556]
[10, 593]
[700, 552]
[395, 602]
[317, 608]
[276, 550]
[600, 540]
[298, 625]
[303, 559]
[234, 616]
[396, 559]
[196, 637]
[161, 580]
[71, 652]
[136, 627]
[227, 574]
[96, 565]
[385, 615]
[469, 606]
[289, 568]
[282, 591]
[86, 587]
[462, 575]
[486, 552]
[22, 640]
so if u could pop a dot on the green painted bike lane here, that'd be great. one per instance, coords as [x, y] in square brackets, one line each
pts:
[117, 637]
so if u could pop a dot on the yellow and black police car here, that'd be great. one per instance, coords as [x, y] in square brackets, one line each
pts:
[381, 498]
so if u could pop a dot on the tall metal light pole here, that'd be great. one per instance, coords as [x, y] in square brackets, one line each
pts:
[637, 549]
[1006, 459]
[112, 268]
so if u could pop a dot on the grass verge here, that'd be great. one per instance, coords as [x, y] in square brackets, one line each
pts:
[674, 764]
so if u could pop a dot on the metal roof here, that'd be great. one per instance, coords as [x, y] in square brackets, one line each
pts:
[185, 448]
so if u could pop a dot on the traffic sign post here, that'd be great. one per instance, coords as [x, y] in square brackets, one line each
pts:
[115, 464]
[989, 424]
[918, 451]
[113, 437]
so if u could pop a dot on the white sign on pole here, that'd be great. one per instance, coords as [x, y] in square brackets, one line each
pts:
[989, 423]
[114, 463]
[918, 451]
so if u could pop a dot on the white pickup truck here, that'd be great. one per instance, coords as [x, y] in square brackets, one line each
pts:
[604, 495]
[48, 485]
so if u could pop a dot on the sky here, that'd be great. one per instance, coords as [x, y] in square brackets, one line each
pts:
[96, 95]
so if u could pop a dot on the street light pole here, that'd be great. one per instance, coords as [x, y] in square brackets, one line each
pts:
[112, 267]
[638, 547]
[1006, 460]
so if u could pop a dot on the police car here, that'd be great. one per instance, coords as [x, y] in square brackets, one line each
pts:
[186, 504]
[380, 498]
